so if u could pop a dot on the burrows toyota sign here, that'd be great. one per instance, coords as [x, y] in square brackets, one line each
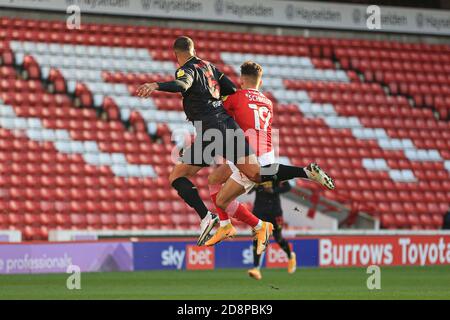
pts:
[265, 12]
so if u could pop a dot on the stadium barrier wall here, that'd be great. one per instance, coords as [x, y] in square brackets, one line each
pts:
[266, 12]
[348, 250]
[10, 236]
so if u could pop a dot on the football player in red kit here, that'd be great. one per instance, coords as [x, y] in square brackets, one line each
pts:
[254, 113]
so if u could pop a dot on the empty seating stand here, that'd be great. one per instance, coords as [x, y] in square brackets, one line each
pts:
[364, 110]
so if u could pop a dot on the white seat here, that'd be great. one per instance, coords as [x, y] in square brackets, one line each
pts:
[55, 48]
[396, 175]
[301, 96]
[19, 57]
[434, 155]
[35, 134]
[447, 165]
[20, 123]
[62, 135]
[7, 111]
[125, 114]
[118, 158]
[119, 170]
[408, 175]
[152, 128]
[147, 171]
[16, 46]
[105, 158]
[77, 146]
[63, 146]
[34, 123]
[407, 144]
[48, 135]
[380, 164]
[91, 147]
[42, 47]
[380, 133]
[7, 123]
[92, 158]
[368, 164]
[133, 170]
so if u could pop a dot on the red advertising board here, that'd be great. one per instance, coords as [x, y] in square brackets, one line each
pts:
[384, 250]
[199, 258]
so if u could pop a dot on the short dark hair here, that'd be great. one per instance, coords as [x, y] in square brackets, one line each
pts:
[252, 69]
[183, 44]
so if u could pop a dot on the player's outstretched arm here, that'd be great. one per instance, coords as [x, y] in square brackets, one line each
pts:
[182, 83]
[146, 89]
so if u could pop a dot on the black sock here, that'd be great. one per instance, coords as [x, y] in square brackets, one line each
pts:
[282, 242]
[281, 173]
[256, 256]
[285, 246]
[189, 193]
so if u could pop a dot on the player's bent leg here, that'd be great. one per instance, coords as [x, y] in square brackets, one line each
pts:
[228, 193]
[188, 192]
[250, 167]
[219, 175]
[281, 172]
[178, 178]
[215, 180]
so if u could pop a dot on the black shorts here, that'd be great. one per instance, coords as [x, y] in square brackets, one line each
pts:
[218, 136]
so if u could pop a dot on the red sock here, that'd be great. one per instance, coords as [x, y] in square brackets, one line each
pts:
[222, 214]
[244, 215]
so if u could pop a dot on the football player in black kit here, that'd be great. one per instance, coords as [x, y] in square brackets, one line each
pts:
[267, 206]
[202, 85]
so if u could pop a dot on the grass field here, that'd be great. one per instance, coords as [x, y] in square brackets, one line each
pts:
[348, 283]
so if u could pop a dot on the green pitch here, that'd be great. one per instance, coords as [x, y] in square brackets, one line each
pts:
[349, 283]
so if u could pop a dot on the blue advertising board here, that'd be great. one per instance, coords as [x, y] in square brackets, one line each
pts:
[176, 254]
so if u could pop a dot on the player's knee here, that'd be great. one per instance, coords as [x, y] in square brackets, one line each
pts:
[179, 172]
[173, 176]
[254, 176]
[213, 179]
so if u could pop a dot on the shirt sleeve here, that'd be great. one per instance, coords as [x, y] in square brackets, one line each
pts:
[183, 81]
[230, 103]
[227, 86]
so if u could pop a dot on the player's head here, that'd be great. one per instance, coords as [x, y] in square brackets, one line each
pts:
[183, 47]
[251, 75]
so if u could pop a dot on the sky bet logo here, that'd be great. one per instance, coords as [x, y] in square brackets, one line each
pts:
[197, 258]
[172, 257]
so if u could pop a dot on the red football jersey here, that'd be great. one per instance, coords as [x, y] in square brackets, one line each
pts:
[253, 112]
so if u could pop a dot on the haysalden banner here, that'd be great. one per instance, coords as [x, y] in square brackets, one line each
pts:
[267, 12]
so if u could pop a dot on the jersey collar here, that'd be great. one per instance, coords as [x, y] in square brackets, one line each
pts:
[189, 59]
